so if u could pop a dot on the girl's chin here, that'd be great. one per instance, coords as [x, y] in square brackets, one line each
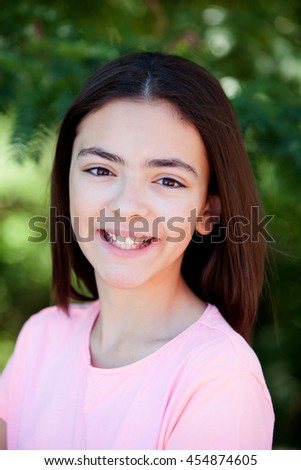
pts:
[120, 280]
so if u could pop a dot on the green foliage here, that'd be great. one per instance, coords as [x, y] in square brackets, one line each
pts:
[48, 49]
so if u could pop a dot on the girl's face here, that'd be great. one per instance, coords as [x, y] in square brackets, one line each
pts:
[138, 179]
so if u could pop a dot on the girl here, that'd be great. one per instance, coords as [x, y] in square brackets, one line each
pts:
[152, 181]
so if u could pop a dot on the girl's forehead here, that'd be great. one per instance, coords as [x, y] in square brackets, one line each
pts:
[154, 126]
[116, 108]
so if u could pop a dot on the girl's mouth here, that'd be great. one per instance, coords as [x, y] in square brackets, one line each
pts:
[127, 243]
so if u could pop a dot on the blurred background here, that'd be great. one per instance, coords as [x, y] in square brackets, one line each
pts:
[48, 49]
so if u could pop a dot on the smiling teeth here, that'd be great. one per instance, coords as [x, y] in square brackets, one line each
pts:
[126, 243]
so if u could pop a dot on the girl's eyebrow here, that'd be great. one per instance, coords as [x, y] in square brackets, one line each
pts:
[101, 153]
[171, 162]
[154, 163]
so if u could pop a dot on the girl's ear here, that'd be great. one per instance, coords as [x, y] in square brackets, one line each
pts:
[210, 216]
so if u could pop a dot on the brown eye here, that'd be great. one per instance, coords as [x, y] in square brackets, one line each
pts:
[99, 171]
[170, 182]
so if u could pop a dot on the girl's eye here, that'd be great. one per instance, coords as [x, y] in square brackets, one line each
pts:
[99, 171]
[170, 182]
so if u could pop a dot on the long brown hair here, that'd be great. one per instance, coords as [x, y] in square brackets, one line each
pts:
[225, 268]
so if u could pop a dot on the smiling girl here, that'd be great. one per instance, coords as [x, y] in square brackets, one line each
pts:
[151, 174]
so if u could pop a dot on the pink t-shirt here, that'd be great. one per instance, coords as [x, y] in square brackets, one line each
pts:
[204, 389]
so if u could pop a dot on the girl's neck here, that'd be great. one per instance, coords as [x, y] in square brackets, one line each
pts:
[133, 323]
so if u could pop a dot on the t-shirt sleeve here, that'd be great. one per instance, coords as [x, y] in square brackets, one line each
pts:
[232, 411]
[4, 388]
[10, 371]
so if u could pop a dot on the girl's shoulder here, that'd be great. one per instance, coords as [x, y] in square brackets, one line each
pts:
[55, 314]
[220, 346]
[53, 324]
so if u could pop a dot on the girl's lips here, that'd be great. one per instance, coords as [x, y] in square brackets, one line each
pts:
[127, 246]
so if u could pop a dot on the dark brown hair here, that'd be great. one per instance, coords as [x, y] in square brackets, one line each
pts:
[225, 268]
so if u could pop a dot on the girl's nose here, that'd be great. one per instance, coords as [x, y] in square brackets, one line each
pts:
[129, 201]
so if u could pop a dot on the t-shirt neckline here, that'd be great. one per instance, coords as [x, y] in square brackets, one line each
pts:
[95, 307]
